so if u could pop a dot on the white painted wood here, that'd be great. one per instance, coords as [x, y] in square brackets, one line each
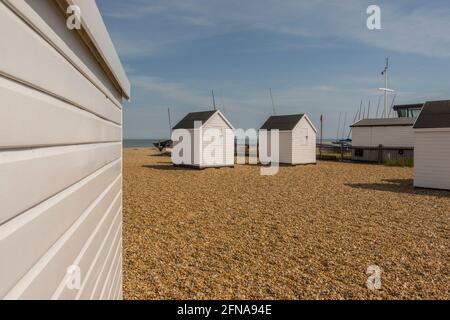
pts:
[119, 285]
[86, 258]
[284, 146]
[110, 243]
[45, 17]
[93, 292]
[46, 121]
[43, 278]
[361, 136]
[109, 286]
[432, 159]
[206, 137]
[297, 146]
[60, 154]
[101, 293]
[117, 274]
[218, 120]
[95, 27]
[224, 145]
[35, 231]
[304, 143]
[389, 136]
[28, 177]
[120, 296]
[25, 56]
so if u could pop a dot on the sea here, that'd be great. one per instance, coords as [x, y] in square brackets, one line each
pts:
[148, 143]
[139, 143]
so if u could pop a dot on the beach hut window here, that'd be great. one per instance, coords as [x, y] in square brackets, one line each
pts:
[359, 152]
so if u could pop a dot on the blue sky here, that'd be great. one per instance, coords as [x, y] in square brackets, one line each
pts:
[317, 56]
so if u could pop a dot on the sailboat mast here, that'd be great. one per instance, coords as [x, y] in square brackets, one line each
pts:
[343, 127]
[360, 110]
[273, 103]
[378, 106]
[170, 123]
[339, 126]
[214, 100]
[386, 85]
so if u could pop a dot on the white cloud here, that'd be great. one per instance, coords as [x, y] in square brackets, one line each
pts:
[129, 10]
[249, 108]
[142, 30]
[175, 91]
[420, 30]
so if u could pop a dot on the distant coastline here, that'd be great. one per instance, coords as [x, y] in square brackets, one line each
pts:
[139, 143]
[148, 143]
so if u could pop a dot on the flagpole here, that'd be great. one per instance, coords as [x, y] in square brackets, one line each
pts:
[321, 136]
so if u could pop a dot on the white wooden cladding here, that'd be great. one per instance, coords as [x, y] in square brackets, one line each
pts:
[47, 222]
[297, 146]
[48, 273]
[96, 29]
[304, 143]
[60, 162]
[389, 136]
[43, 120]
[24, 10]
[431, 159]
[27, 57]
[35, 175]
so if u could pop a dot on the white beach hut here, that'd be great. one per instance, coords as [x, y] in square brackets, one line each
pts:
[432, 146]
[60, 153]
[297, 135]
[377, 140]
[211, 141]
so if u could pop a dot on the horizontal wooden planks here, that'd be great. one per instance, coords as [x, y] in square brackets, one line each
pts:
[57, 33]
[104, 275]
[106, 255]
[60, 158]
[44, 277]
[43, 67]
[42, 120]
[114, 280]
[94, 249]
[28, 177]
[431, 159]
[36, 230]
[115, 267]
[96, 29]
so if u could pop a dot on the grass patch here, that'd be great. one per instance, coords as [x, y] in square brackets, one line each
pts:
[404, 162]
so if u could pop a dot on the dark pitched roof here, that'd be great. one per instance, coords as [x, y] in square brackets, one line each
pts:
[407, 106]
[435, 114]
[188, 121]
[384, 122]
[285, 122]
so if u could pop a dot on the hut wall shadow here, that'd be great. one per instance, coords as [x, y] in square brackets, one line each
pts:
[167, 167]
[399, 186]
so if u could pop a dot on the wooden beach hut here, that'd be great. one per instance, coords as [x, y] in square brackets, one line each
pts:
[60, 153]
[297, 135]
[378, 140]
[211, 141]
[432, 146]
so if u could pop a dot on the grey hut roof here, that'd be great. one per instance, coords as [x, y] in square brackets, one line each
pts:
[188, 121]
[435, 114]
[386, 122]
[407, 106]
[284, 122]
